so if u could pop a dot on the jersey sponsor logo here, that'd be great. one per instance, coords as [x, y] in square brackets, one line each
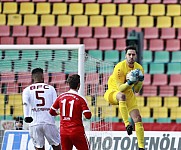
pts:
[33, 87]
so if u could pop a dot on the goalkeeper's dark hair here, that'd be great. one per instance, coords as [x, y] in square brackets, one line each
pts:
[130, 47]
[73, 81]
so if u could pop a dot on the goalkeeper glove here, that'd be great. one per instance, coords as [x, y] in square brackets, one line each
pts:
[132, 77]
[140, 76]
[28, 119]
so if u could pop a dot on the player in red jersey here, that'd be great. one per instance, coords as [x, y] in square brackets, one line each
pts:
[72, 106]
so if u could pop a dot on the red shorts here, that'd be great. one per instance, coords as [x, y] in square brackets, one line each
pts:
[79, 140]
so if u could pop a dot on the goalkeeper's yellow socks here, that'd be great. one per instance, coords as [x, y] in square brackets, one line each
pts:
[124, 112]
[140, 134]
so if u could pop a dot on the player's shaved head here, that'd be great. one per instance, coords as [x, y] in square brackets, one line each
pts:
[37, 75]
[74, 81]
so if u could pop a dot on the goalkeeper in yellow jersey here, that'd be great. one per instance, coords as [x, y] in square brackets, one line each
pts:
[125, 81]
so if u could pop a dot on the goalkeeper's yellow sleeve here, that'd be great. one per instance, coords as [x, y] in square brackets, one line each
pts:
[138, 86]
[123, 87]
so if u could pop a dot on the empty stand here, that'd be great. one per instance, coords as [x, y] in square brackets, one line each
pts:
[42, 54]
[157, 68]
[170, 1]
[175, 80]
[23, 40]
[178, 91]
[111, 56]
[156, 44]
[12, 55]
[164, 22]
[141, 9]
[129, 21]
[10, 7]
[154, 101]
[173, 10]
[160, 112]
[73, 41]
[38, 64]
[153, 1]
[84, 32]
[175, 56]
[11, 88]
[125, 9]
[68, 31]
[80, 21]
[61, 55]
[30, 20]
[92, 78]
[2, 19]
[7, 40]
[59, 8]
[54, 40]
[98, 54]
[161, 57]
[92, 9]
[24, 77]
[166, 90]
[4, 30]
[173, 68]
[90, 43]
[149, 90]
[147, 56]
[108, 9]
[101, 32]
[42, 8]
[26, 8]
[6, 66]
[39, 40]
[96, 21]
[28, 55]
[14, 19]
[106, 44]
[35, 31]
[64, 20]
[21, 66]
[19, 31]
[167, 33]
[47, 20]
[157, 9]
[52, 66]
[117, 32]
[57, 77]
[51, 31]
[173, 44]
[75, 9]
[140, 101]
[113, 21]
[151, 33]
[120, 44]
[147, 79]
[175, 113]
[7, 77]
[146, 21]
[171, 101]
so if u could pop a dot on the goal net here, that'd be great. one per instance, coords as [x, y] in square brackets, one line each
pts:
[58, 62]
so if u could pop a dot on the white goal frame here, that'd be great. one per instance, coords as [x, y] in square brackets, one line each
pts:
[79, 47]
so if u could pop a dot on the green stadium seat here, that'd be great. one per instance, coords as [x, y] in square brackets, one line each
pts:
[38, 64]
[106, 67]
[178, 120]
[21, 66]
[111, 56]
[6, 66]
[45, 55]
[70, 67]
[163, 120]
[111, 119]
[91, 66]
[147, 120]
[147, 56]
[11, 55]
[61, 55]
[55, 66]
[97, 54]
[157, 68]
[161, 57]
[175, 56]
[28, 55]
[174, 68]
[145, 67]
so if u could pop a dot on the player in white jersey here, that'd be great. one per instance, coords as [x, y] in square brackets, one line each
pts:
[37, 100]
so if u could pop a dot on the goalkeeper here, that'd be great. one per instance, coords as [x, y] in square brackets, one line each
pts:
[126, 80]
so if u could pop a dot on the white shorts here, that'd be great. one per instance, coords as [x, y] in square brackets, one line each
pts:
[38, 133]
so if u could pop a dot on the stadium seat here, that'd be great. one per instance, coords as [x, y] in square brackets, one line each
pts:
[141, 9]
[21, 66]
[157, 9]
[38, 64]
[92, 78]
[23, 40]
[149, 90]
[125, 9]
[105, 77]
[164, 22]
[84, 32]
[59, 8]
[24, 77]
[137, 1]
[88, 1]
[57, 77]
[10, 8]
[120, 44]
[54, 40]
[161, 57]
[177, 21]
[42, 8]
[11, 88]
[120, 1]
[22, 0]
[106, 44]
[108, 111]
[172, 45]
[112, 21]
[72, 1]
[80, 21]
[129, 21]
[90, 43]
[153, 1]
[147, 79]
[28, 55]
[6, 66]
[14, 19]
[175, 56]
[154, 101]
[47, 20]
[64, 20]
[163, 120]
[68, 31]
[157, 68]
[170, 101]
[147, 120]
[146, 21]
[108, 9]
[178, 91]
[111, 56]
[156, 45]
[175, 80]
[70, 67]
[75, 9]
[35, 31]
[26, 8]
[61, 55]
[12, 55]
[96, 21]
[173, 68]
[7, 40]
[160, 112]
[173, 10]
[52, 66]
[92, 9]
[7, 77]
[178, 33]
[97, 54]
[42, 54]
[101, 32]
[170, 1]
[145, 112]
[2, 19]
[38, 0]
[175, 113]
[147, 56]
[160, 79]
[0, 7]
[166, 90]
[117, 32]
[19, 31]
[145, 67]
[30, 20]
[104, 1]
[140, 101]
[72, 40]
[4, 30]
[39, 40]
[167, 33]
[151, 33]
[51, 31]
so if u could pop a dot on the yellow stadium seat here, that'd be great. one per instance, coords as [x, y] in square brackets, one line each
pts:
[173, 10]
[89, 100]
[18, 111]
[76, 9]
[42, 8]
[113, 21]
[125, 9]
[175, 112]
[146, 21]
[109, 111]
[141, 9]
[15, 99]
[129, 21]
[14, 19]
[154, 101]
[7, 110]
[80, 20]
[30, 20]
[2, 19]
[177, 22]
[100, 101]
[26, 8]
[59, 8]
[172, 101]
[0, 7]
[10, 7]
[64, 20]
[94, 111]
[108, 9]
[96, 21]
[160, 112]
[144, 111]
[2, 99]
[140, 100]
[92, 9]
[157, 10]
[47, 20]
[163, 22]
